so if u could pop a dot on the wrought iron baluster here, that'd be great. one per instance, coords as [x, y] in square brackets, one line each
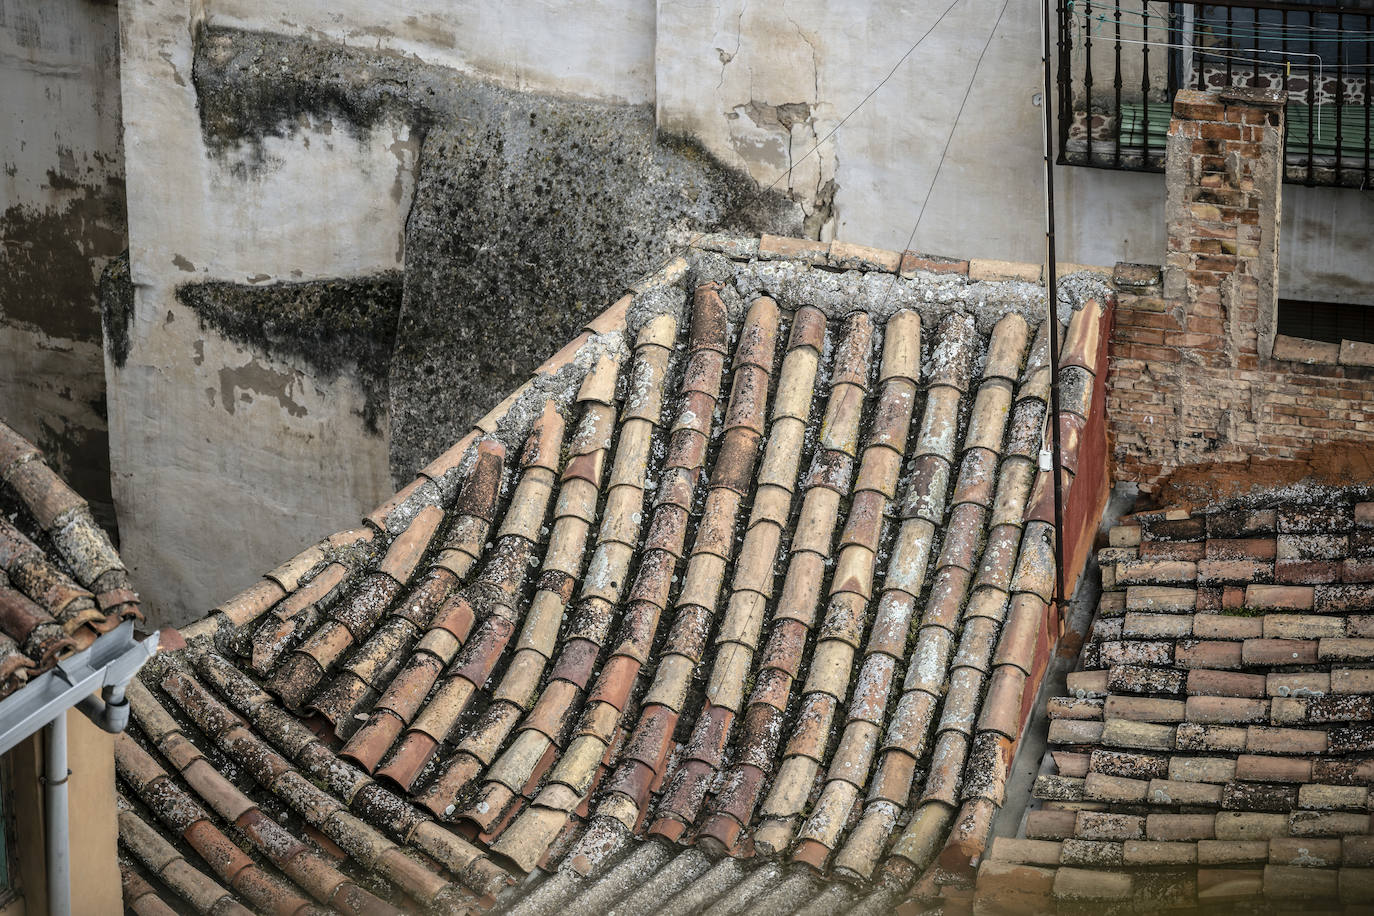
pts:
[1195, 47]
[1311, 94]
[1088, 71]
[1116, 85]
[1230, 44]
[1219, 40]
[1174, 21]
[1283, 75]
[1340, 91]
[1145, 84]
[1283, 62]
[1065, 93]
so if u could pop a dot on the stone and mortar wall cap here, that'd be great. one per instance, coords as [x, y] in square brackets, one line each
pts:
[1136, 275]
[912, 261]
[992, 269]
[1248, 95]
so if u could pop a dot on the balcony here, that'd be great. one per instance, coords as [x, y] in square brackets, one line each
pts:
[1121, 61]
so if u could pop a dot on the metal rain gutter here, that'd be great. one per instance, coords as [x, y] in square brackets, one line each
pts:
[107, 665]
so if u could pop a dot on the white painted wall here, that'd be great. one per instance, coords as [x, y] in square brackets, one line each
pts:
[716, 60]
[210, 496]
[226, 460]
[61, 212]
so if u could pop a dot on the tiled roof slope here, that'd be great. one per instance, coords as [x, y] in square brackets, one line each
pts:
[703, 580]
[62, 583]
[1218, 746]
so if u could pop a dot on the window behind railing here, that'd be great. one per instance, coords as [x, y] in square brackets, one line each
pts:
[1331, 322]
[1121, 61]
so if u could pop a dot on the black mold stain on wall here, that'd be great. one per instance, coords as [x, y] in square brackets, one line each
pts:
[117, 307]
[527, 221]
[337, 325]
[50, 261]
[530, 214]
[51, 258]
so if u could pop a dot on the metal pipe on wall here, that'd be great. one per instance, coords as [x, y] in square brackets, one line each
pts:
[1052, 297]
[55, 816]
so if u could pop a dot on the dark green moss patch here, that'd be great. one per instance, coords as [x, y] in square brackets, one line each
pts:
[117, 306]
[1242, 612]
[334, 325]
[252, 85]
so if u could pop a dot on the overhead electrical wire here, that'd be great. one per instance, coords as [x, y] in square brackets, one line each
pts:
[864, 101]
[949, 137]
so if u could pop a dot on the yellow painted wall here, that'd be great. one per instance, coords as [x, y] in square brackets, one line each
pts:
[92, 823]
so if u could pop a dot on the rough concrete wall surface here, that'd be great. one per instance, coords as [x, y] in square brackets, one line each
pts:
[529, 217]
[1324, 256]
[591, 49]
[61, 220]
[530, 212]
[728, 73]
[757, 85]
[283, 168]
[336, 326]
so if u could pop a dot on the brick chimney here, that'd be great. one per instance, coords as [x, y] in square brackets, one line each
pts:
[1224, 176]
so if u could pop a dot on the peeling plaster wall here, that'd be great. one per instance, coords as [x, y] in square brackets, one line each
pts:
[61, 220]
[268, 159]
[719, 65]
[725, 68]
[228, 458]
[258, 186]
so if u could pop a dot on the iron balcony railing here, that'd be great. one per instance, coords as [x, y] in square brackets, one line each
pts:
[1121, 61]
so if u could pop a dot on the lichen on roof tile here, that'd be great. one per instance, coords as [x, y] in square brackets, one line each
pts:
[751, 569]
[62, 583]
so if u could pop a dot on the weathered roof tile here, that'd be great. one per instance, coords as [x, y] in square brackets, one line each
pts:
[611, 643]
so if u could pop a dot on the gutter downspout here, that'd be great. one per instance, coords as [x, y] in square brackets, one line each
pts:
[110, 712]
[55, 816]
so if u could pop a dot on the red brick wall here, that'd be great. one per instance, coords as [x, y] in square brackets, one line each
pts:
[1196, 399]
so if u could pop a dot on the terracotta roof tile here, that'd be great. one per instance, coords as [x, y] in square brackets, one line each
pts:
[774, 594]
[61, 581]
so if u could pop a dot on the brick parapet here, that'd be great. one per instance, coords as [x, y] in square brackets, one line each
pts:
[1177, 398]
[1196, 376]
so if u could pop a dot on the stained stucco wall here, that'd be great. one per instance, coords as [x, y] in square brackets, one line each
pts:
[61, 220]
[591, 49]
[262, 158]
[729, 71]
[230, 454]
[759, 84]
[227, 456]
